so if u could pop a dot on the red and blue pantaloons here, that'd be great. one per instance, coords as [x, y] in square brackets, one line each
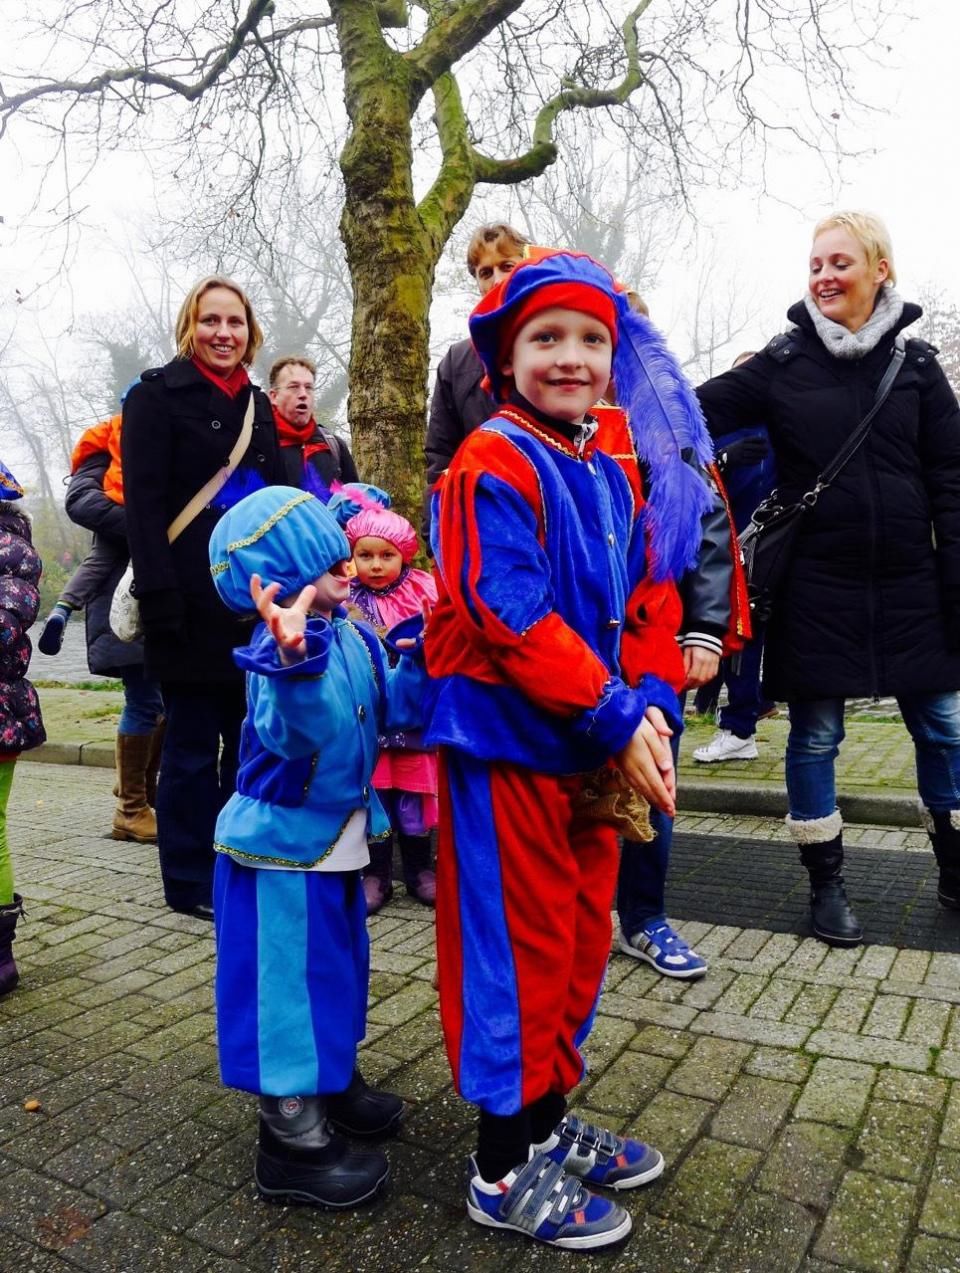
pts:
[524, 890]
[541, 555]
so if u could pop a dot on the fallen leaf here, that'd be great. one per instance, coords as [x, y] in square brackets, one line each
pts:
[64, 1227]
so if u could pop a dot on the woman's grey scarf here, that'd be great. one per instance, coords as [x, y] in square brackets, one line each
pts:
[841, 342]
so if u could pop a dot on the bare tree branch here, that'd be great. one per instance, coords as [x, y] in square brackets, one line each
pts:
[143, 75]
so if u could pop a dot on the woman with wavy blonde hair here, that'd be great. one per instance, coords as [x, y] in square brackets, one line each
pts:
[181, 424]
[870, 602]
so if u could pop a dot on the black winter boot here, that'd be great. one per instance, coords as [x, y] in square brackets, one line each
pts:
[9, 914]
[299, 1159]
[361, 1110]
[418, 875]
[833, 920]
[378, 876]
[944, 832]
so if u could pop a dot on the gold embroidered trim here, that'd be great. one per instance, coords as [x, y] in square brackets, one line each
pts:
[219, 568]
[313, 769]
[350, 626]
[286, 863]
[567, 448]
[536, 473]
[300, 498]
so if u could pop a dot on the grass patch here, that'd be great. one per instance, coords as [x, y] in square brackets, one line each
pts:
[101, 683]
[101, 713]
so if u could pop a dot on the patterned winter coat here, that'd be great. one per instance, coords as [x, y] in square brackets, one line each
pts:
[21, 725]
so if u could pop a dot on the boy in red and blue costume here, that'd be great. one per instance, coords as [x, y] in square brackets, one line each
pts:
[535, 643]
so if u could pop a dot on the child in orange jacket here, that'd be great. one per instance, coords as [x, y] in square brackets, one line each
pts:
[93, 572]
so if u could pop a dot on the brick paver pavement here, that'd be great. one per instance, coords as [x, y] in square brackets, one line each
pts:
[806, 1099]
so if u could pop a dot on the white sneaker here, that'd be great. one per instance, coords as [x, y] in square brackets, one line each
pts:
[726, 746]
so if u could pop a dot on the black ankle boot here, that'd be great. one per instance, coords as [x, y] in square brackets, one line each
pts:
[361, 1110]
[299, 1160]
[378, 876]
[833, 920]
[9, 914]
[418, 874]
[945, 838]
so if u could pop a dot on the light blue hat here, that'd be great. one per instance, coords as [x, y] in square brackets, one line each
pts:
[283, 535]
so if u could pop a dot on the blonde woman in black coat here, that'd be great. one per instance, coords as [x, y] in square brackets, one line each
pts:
[180, 424]
[871, 600]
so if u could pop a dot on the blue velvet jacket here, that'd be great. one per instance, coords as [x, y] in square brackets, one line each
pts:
[309, 742]
[539, 549]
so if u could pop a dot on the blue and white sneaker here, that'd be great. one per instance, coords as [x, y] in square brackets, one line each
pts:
[541, 1200]
[599, 1157]
[664, 949]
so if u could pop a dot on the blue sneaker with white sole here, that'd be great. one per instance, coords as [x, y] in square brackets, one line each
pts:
[597, 1156]
[663, 948]
[540, 1199]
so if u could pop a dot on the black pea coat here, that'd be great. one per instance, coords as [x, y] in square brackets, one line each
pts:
[333, 465]
[458, 406]
[871, 601]
[178, 429]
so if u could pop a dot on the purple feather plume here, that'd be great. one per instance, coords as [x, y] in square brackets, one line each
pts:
[671, 440]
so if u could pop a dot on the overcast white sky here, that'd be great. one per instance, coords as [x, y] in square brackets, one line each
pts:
[759, 242]
[908, 174]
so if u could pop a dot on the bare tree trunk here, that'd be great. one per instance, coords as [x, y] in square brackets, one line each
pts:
[392, 261]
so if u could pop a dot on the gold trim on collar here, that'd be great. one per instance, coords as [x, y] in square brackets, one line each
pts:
[300, 498]
[554, 440]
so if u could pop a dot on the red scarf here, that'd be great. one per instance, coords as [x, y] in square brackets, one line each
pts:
[299, 435]
[233, 383]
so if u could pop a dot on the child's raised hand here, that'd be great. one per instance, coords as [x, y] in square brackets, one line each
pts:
[287, 624]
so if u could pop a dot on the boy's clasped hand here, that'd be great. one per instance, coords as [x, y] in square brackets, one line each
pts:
[647, 762]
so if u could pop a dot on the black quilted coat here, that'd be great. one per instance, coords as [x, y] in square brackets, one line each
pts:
[871, 602]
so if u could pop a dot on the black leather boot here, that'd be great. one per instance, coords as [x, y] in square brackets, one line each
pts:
[361, 1110]
[378, 876]
[9, 914]
[299, 1159]
[418, 874]
[945, 838]
[833, 920]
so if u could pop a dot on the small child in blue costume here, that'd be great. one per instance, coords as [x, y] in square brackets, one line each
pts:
[292, 948]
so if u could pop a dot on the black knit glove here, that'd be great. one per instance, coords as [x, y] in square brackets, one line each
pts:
[745, 452]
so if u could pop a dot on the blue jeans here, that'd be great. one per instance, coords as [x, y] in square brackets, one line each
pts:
[816, 732]
[142, 703]
[198, 773]
[642, 881]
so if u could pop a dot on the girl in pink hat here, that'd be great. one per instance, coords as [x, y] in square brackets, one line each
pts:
[385, 590]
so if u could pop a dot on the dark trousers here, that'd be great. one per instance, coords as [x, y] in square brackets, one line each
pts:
[745, 703]
[641, 883]
[198, 774]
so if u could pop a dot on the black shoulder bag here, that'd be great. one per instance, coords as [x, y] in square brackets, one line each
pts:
[767, 544]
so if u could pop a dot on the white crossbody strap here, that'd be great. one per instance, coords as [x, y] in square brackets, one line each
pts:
[219, 479]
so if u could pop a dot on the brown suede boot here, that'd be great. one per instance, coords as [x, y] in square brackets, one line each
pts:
[133, 819]
[153, 761]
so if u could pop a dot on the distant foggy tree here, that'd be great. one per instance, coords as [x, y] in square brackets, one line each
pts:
[244, 86]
